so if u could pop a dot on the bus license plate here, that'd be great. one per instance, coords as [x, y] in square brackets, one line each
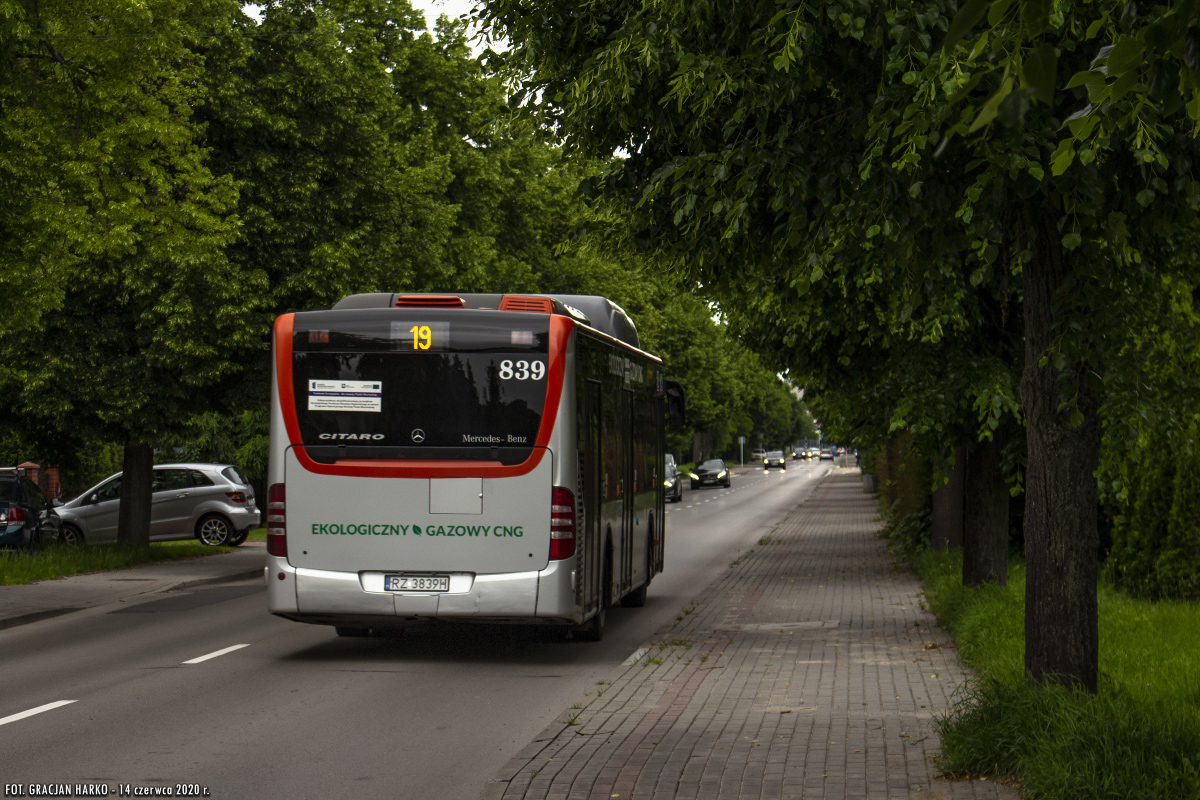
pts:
[416, 583]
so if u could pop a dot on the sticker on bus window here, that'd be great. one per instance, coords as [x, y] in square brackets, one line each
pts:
[345, 396]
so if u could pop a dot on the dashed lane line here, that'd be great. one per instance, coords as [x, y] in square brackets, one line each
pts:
[216, 653]
[38, 710]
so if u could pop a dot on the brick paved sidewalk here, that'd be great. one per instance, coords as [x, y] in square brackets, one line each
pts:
[810, 669]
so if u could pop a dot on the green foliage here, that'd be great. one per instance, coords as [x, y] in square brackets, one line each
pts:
[910, 533]
[1138, 737]
[832, 175]
[1156, 533]
[241, 439]
[137, 310]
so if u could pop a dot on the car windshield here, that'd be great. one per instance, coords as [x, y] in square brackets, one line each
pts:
[7, 489]
[775, 454]
[715, 463]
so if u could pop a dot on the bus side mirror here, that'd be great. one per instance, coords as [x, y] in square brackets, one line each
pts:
[676, 411]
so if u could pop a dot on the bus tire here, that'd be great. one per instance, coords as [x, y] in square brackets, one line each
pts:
[637, 598]
[353, 633]
[593, 629]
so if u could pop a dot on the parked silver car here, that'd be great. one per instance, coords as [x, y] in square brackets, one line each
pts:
[211, 502]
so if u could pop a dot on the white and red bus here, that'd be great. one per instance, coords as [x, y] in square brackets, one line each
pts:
[464, 457]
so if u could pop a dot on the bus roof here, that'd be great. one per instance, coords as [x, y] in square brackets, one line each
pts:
[598, 312]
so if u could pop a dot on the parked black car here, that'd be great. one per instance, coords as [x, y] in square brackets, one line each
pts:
[713, 471]
[27, 518]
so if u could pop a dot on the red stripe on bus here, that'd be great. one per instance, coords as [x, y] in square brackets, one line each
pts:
[560, 332]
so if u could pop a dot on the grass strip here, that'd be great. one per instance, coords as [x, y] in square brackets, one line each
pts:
[1138, 737]
[58, 561]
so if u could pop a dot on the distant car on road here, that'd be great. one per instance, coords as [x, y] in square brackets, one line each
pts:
[710, 473]
[827, 453]
[775, 458]
[758, 454]
[27, 518]
[211, 502]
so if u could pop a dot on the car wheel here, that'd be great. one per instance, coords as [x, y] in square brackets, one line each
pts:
[353, 633]
[213, 530]
[238, 538]
[35, 542]
[728, 483]
[70, 535]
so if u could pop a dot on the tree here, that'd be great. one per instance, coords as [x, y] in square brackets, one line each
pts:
[137, 310]
[852, 174]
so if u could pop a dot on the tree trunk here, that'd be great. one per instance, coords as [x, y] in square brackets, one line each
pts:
[948, 506]
[133, 514]
[985, 517]
[1061, 630]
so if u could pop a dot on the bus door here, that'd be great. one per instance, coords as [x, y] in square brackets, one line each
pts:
[591, 550]
[628, 496]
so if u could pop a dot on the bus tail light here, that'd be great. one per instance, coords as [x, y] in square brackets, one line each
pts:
[276, 521]
[562, 523]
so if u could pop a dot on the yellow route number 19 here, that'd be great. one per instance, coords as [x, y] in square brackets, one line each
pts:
[422, 337]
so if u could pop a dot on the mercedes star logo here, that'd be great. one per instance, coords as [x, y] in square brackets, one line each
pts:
[418, 435]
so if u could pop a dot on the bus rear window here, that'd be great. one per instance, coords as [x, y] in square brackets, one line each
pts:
[404, 384]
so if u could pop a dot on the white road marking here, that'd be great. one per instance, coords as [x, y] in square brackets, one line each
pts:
[38, 710]
[217, 653]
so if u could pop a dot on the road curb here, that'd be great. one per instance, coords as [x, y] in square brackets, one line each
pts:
[36, 616]
[18, 620]
[257, 572]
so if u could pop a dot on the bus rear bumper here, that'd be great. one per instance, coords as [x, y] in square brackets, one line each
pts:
[332, 597]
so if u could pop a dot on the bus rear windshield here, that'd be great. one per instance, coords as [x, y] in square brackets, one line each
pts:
[404, 384]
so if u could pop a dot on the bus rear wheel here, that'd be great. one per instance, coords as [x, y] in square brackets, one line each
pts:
[593, 629]
[637, 598]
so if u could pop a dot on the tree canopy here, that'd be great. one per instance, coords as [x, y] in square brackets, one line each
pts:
[175, 177]
[851, 178]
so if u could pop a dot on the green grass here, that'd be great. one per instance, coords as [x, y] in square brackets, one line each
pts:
[257, 535]
[1138, 737]
[59, 561]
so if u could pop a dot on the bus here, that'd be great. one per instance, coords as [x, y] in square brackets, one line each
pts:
[464, 458]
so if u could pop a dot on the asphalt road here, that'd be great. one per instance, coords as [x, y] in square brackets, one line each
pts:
[297, 712]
